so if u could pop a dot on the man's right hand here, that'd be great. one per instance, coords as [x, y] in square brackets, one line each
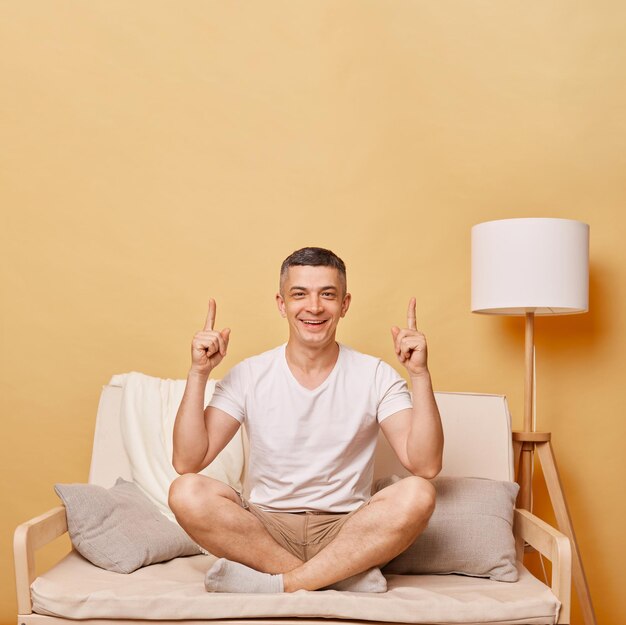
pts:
[209, 346]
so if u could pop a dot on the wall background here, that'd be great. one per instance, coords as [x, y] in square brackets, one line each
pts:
[154, 155]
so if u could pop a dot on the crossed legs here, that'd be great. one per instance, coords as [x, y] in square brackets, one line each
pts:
[212, 515]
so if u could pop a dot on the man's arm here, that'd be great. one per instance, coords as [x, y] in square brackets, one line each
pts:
[416, 435]
[199, 434]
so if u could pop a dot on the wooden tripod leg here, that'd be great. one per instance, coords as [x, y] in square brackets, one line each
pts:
[564, 521]
[525, 477]
[524, 449]
[517, 452]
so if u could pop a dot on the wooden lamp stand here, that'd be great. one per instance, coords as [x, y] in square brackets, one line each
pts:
[525, 444]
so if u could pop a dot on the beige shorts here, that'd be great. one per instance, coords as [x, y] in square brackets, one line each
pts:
[302, 534]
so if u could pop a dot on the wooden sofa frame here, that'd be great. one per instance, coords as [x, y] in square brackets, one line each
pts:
[38, 532]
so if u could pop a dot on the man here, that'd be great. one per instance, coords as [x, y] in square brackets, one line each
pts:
[312, 409]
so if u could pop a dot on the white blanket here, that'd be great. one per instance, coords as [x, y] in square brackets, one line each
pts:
[148, 411]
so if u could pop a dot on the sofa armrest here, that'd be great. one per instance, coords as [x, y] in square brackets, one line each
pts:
[29, 537]
[552, 544]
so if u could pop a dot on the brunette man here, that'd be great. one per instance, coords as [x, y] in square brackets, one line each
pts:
[312, 409]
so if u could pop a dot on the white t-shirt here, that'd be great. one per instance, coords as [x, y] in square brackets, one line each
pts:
[311, 450]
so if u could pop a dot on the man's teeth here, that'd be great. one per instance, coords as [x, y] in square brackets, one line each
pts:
[313, 323]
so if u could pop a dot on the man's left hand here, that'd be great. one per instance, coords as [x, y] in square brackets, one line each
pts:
[410, 344]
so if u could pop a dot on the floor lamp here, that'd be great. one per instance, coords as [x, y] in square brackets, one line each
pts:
[529, 267]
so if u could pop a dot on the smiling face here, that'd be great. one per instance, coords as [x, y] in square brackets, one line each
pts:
[312, 299]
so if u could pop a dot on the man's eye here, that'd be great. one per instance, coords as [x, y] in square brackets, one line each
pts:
[328, 294]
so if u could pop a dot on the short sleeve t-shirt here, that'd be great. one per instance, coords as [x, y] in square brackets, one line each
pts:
[311, 450]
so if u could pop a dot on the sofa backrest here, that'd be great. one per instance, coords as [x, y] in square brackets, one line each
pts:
[477, 429]
[477, 439]
[109, 459]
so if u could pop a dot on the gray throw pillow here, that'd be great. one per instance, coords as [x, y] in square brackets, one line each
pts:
[120, 529]
[469, 533]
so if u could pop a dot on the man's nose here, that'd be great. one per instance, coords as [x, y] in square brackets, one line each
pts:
[315, 304]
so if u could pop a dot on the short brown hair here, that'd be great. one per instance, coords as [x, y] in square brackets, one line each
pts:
[314, 257]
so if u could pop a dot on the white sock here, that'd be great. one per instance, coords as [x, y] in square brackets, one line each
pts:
[228, 576]
[371, 580]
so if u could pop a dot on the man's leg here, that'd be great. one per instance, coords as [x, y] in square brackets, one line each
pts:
[211, 513]
[377, 533]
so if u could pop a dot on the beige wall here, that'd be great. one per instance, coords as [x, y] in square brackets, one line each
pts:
[156, 153]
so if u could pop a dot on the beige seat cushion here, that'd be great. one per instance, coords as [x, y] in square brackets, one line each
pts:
[174, 590]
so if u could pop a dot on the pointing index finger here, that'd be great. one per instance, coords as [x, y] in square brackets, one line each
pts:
[411, 319]
[210, 318]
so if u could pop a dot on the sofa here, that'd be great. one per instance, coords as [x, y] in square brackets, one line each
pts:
[466, 568]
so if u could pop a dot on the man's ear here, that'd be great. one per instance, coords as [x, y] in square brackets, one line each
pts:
[345, 304]
[280, 302]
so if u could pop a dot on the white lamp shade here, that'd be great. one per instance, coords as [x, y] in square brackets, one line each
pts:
[530, 265]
